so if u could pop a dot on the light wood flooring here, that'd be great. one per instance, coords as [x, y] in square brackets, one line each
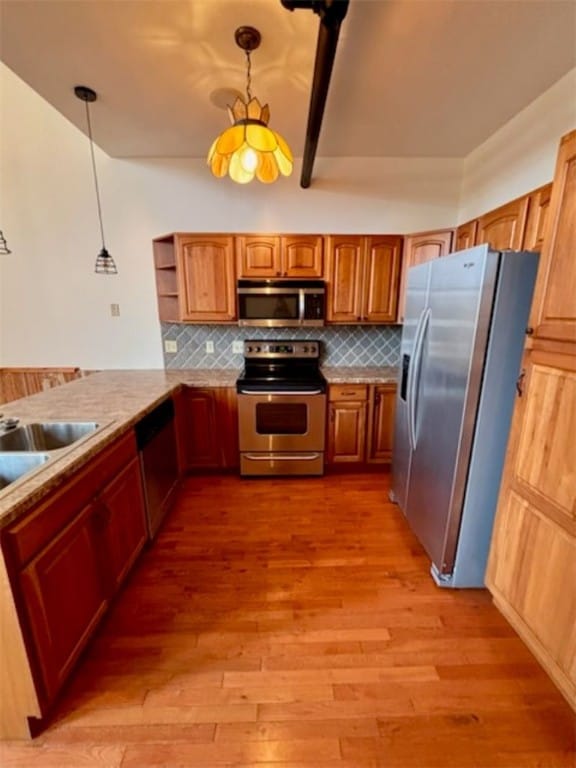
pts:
[294, 624]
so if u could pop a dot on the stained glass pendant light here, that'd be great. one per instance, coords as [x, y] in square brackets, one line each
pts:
[249, 148]
[104, 262]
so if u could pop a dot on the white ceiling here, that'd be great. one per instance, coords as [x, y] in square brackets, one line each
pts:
[411, 77]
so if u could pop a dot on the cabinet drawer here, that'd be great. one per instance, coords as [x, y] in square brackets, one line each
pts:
[27, 537]
[348, 392]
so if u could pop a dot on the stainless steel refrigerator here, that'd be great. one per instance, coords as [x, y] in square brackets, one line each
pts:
[461, 351]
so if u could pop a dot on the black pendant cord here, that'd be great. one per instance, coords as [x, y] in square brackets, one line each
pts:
[96, 188]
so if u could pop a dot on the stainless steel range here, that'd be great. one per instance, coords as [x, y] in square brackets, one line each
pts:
[281, 409]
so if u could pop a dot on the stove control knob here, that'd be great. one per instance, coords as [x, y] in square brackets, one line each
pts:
[248, 349]
[257, 349]
[304, 349]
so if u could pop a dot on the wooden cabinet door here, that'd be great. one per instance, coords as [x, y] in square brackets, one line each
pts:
[208, 428]
[346, 432]
[63, 598]
[417, 250]
[258, 256]
[503, 228]
[345, 255]
[381, 423]
[537, 221]
[227, 426]
[121, 525]
[198, 428]
[532, 566]
[555, 292]
[207, 277]
[465, 235]
[302, 256]
[381, 279]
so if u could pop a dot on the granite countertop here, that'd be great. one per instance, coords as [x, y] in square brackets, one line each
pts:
[386, 374]
[117, 400]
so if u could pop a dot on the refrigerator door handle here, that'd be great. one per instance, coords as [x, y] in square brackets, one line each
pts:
[410, 384]
[418, 347]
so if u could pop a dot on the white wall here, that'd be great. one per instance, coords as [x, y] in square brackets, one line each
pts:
[55, 311]
[520, 156]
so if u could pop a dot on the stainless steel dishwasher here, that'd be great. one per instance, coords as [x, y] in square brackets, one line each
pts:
[156, 439]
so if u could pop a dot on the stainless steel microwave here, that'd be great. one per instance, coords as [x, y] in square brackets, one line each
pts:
[281, 303]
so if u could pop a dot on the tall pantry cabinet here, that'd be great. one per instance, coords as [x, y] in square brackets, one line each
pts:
[532, 566]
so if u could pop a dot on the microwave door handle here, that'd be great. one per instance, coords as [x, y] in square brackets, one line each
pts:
[301, 306]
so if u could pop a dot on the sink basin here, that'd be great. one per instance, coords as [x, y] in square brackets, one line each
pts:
[14, 465]
[48, 436]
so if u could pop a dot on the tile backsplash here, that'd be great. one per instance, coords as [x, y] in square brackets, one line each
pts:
[347, 345]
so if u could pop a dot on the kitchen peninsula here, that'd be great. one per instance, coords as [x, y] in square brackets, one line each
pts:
[71, 504]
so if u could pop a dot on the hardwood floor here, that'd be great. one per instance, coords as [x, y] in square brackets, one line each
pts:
[293, 623]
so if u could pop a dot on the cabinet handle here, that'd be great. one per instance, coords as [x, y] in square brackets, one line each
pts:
[520, 382]
[332, 414]
[529, 331]
[278, 274]
[377, 398]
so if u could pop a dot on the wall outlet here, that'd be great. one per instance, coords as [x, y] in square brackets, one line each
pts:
[210, 347]
[115, 310]
[170, 346]
[238, 347]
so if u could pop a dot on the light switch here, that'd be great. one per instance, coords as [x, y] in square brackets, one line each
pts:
[209, 347]
[170, 346]
[237, 347]
[115, 310]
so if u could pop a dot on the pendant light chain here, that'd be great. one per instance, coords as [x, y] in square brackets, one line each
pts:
[248, 76]
[96, 188]
[249, 149]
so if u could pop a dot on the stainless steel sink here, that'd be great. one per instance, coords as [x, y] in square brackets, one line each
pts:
[48, 436]
[14, 465]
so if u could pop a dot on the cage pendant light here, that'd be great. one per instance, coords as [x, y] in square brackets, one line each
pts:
[250, 149]
[4, 250]
[104, 262]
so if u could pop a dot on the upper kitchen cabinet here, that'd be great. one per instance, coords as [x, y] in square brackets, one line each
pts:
[465, 235]
[272, 256]
[418, 249]
[554, 306]
[363, 278]
[503, 228]
[195, 278]
[537, 221]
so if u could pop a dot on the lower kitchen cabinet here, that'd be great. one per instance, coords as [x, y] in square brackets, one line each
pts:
[347, 424]
[121, 526]
[64, 598]
[208, 428]
[360, 423]
[67, 558]
[381, 423]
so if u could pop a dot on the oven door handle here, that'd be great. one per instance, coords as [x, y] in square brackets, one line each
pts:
[281, 457]
[277, 392]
